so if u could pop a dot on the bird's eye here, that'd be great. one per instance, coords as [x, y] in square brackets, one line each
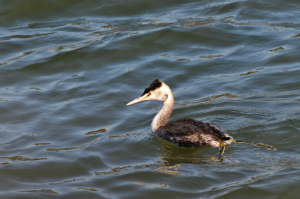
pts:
[149, 94]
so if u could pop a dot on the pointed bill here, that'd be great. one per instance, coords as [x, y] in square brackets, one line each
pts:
[139, 99]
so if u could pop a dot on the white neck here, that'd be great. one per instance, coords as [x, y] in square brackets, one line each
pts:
[164, 114]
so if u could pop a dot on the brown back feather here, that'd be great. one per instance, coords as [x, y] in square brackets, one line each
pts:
[191, 133]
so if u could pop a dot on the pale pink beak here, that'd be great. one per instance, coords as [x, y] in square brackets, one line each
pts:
[137, 100]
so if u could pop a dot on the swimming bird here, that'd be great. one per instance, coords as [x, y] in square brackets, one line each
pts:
[183, 132]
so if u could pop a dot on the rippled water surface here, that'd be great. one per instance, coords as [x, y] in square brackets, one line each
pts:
[68, 68]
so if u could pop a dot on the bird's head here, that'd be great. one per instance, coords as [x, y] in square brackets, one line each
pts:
[157, 90]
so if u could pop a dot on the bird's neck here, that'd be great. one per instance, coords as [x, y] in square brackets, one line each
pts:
[164, 114]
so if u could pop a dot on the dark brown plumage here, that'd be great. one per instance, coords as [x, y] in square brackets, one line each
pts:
[154, 85]
[191, 133]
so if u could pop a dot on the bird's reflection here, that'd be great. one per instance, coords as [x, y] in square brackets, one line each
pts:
[172, 156]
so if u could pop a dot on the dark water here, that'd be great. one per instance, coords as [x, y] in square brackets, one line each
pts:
[68, 68]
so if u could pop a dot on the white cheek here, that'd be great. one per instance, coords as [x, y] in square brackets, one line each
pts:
[155, 96]
[162, 97]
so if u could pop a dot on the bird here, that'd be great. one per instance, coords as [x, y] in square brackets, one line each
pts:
[184, 132]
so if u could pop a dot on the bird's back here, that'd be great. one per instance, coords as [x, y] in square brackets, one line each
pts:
[192, 133]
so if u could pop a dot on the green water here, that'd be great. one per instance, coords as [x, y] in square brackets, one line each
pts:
[68, 68]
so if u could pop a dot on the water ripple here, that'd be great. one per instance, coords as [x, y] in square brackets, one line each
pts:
[83, 146]
[68, 70]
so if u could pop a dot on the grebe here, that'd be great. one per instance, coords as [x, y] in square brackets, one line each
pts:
[183, 132]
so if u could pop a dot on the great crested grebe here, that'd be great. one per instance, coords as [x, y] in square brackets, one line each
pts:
[183, 132]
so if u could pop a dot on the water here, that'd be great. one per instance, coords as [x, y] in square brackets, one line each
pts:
[68, 68]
